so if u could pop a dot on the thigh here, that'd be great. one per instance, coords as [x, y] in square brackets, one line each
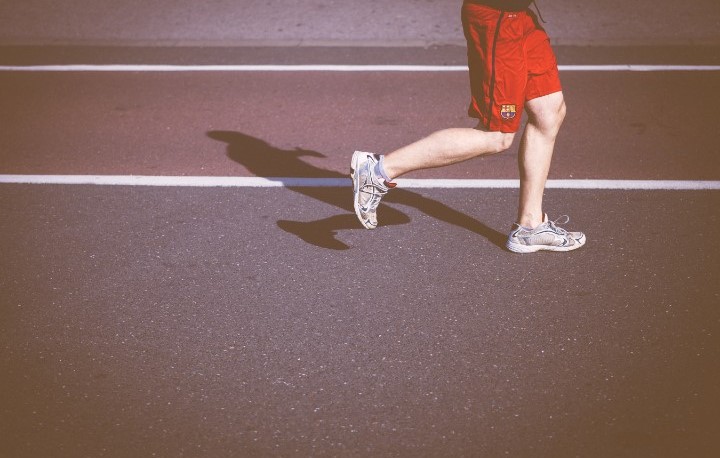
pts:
[479, 25]
[496, 61]
[542, 71]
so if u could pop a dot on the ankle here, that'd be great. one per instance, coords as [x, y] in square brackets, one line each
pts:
[531, 221]
[380, 171]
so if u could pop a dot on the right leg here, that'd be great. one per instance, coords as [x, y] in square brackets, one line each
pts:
[445, 147]
[372, 175]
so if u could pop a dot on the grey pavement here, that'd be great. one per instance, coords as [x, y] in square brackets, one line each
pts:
[201, 323]
[341, 22]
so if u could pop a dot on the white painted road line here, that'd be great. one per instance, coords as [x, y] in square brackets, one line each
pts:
[675, 185]
[335, 68]
[289, 182]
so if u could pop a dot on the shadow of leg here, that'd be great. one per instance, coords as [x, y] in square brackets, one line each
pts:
[265, 160]
[442, 212]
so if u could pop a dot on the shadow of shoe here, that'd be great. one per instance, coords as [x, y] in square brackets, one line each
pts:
[321, 233]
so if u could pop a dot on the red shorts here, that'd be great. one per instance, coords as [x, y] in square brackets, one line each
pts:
[510, 62]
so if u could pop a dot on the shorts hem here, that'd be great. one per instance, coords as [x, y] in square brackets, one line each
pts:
[511, 128]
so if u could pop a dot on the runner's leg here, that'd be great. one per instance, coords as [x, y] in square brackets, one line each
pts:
[545, 116]
[445, 147]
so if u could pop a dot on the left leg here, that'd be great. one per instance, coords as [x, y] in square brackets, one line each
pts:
[533, 232]
[545, 116]
[545, 107]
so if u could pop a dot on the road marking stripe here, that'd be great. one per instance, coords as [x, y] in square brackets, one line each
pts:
[258, 182]
[334, 68]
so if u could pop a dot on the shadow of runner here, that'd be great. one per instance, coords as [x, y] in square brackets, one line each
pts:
[266, 161]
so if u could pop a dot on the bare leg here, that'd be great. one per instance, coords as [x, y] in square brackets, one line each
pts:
[545, 116]
[445, 147]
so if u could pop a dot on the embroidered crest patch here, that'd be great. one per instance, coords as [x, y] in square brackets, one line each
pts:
[508, 111]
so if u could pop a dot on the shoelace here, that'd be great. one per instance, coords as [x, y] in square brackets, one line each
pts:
[554, 224]
[374, 201]
[375, 192]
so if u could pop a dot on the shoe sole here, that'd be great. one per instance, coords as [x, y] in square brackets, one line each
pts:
[354, 165]
[522, 249]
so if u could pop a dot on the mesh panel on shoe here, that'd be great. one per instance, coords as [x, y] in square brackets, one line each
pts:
[541, 239]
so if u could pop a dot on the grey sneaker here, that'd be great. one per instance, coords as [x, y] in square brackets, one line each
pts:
[547, 236]
[368, 188]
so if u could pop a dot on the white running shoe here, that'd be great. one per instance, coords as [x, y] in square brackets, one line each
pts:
[547, 236]
[368, 188]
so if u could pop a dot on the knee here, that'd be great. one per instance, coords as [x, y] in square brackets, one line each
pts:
[491, 142]
[557, 118]
[560, 116]
[503, 141]
[550, 119]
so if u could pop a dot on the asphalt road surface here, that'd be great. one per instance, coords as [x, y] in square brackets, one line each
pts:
[264, 321]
